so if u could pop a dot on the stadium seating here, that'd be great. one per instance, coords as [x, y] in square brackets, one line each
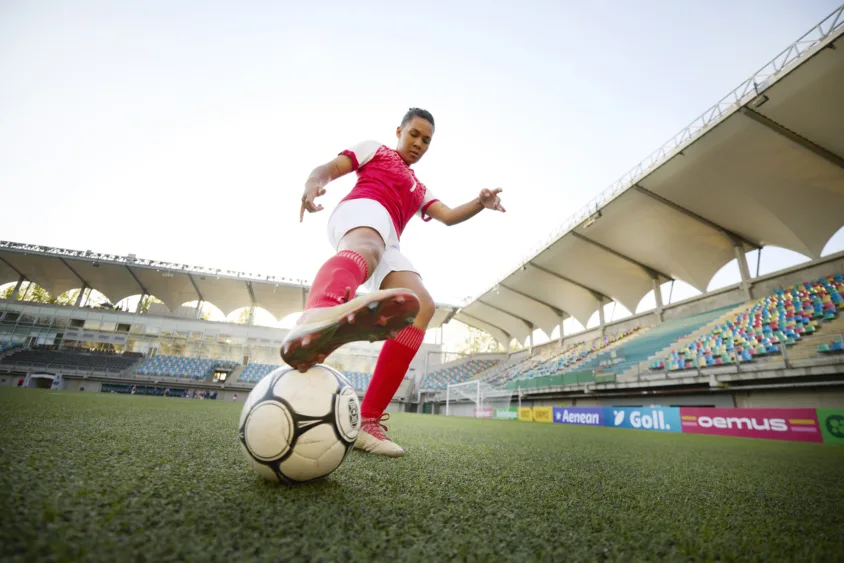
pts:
[176, 366]
[6, 346]
[763, 328]
[358, 379]
[572, 358]
[442, 378]
[557, 362]
[836, 345]
[70, 359]
[630, 354]
[502, 370]
[253, 372]
[604, 360]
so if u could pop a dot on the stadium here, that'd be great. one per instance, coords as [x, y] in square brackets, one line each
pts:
[761, 168]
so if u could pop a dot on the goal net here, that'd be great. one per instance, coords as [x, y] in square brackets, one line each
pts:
[476, 399]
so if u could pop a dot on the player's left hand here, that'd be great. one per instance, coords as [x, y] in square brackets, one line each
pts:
[490, 199]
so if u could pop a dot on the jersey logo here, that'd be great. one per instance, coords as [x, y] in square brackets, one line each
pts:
[413, 188]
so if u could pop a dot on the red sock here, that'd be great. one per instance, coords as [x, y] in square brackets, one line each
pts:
[341, 274]
[390, 369]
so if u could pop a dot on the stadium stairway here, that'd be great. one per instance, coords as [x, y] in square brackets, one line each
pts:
[235, 374]
[133, 369]
[608, 349]
[573, 365]
[541, 365]
[807, 347]
[665, 336]
[643, 367]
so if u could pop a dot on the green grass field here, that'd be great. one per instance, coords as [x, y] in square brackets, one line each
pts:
[100, 477]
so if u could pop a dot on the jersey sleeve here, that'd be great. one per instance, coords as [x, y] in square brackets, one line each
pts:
[427, 201]
[362, 153]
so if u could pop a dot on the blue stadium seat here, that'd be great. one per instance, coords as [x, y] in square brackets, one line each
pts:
[442, 378]
[177, 366]
[780, 319]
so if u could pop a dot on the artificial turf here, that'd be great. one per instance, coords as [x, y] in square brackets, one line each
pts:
[100, 477]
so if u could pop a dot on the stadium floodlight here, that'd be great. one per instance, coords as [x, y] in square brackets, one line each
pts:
[760, 101]
[592, 219]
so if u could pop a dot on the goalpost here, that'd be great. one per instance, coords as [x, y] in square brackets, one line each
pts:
[482, 395]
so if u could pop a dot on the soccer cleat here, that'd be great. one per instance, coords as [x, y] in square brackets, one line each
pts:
[369, 317]
[372, 438]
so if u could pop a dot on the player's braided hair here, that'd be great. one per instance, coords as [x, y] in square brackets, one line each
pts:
[417, 112]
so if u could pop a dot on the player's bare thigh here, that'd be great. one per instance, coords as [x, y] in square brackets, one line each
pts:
[366, 242]
[413, 282]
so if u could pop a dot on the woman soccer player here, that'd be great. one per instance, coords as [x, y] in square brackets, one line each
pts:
[365, 229]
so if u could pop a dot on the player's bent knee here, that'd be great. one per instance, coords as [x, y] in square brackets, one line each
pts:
[366, 242]
[426, 309]
[370, 249]
[372, 254]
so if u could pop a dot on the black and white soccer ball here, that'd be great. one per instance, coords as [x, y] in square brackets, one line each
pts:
[297, 427]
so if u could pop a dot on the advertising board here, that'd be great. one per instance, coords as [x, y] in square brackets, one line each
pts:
[775, 424]
[662, 419]
[543, 414]
[585, 416]
[831, 422]
[506, 414]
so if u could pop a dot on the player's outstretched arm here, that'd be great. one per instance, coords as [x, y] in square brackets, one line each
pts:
[319, 178]
[488, 199]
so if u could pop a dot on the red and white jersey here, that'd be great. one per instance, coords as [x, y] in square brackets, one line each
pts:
[384, 177]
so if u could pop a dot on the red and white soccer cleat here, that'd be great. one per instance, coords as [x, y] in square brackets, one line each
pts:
[377, 316]
[372, 438]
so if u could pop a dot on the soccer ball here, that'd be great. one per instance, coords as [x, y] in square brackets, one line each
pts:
[297, 427]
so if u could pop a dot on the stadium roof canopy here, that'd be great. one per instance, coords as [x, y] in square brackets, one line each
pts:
[763, 166]
[58, 270]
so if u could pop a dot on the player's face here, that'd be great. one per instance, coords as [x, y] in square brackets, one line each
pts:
[414, 139]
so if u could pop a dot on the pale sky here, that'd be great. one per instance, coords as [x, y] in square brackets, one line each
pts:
[185, 131]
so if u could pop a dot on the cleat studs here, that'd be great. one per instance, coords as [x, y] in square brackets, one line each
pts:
[305, 341]
[382, 320]
[400, 299]
[350, 318]
[372, 306]
[410, 320]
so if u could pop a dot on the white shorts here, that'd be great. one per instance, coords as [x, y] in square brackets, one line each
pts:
[354, 213]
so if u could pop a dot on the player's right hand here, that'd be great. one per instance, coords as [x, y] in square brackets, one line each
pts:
[312, 191]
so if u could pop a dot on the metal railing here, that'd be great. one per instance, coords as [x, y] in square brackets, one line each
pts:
[741, 94]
